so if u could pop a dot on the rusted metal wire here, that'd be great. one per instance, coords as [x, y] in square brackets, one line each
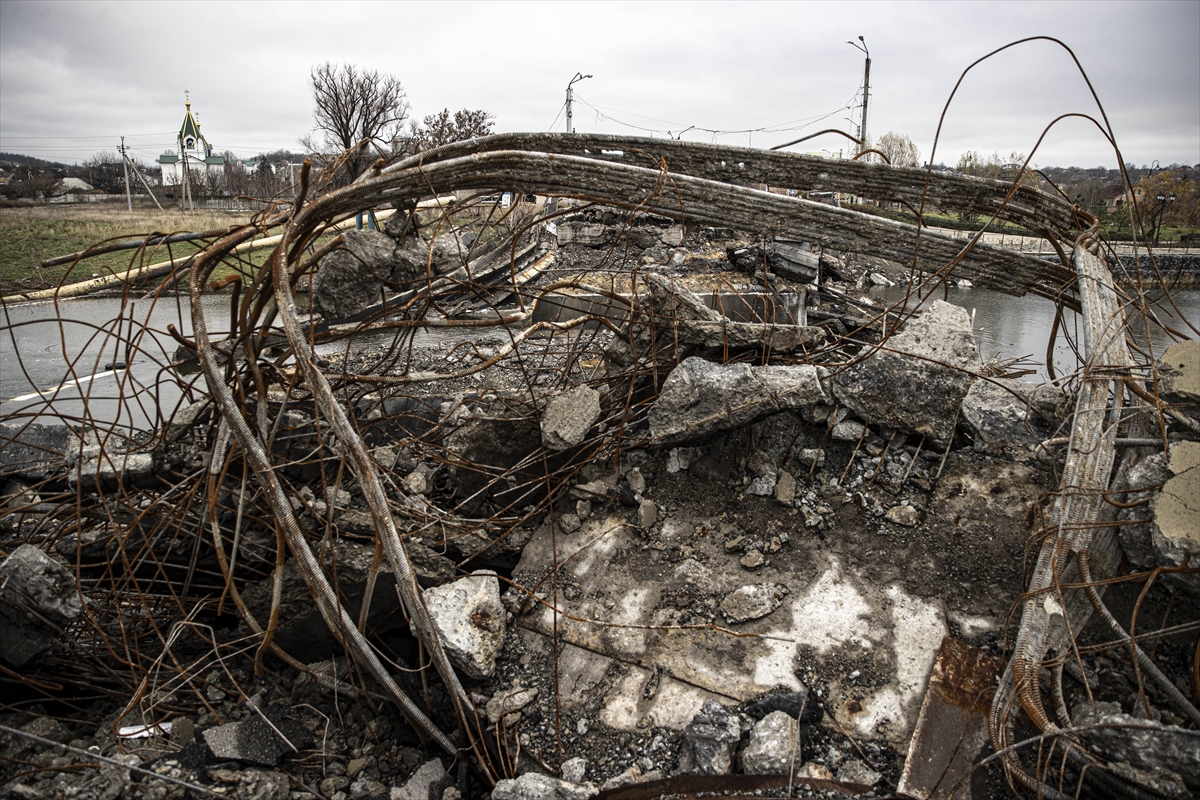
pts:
[287, 408]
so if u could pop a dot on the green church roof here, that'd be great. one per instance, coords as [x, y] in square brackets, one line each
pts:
[189, 131]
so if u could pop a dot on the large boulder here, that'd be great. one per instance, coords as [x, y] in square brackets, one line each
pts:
[38, 598]
[355, 276]
[418, 258]
[919, 381]
[701, 398]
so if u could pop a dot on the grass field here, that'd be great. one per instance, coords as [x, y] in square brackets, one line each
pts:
[29, 235]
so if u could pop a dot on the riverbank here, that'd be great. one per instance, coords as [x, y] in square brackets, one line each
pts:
[1167, 270]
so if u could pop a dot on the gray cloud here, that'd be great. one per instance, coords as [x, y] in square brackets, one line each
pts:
[76, 76]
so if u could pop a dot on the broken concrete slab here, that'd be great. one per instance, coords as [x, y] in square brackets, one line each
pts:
[1179, 375]
[701, 398]
[262, 738]
[584, 234]
[1009, 417]
[38, 598]
[470, 621]
[790, 259]
[107, 469]
[1176, 508]
[1138, 534]
[831, 613]
[34, 451]
[928, 365]
[672, 322]
[1171, 531]
[250, 740]
[187, 418]
[569, 416]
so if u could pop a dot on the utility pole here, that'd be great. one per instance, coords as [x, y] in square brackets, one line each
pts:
[570, 95]
[125, 167]
[862, 130]
[185, 198]
[142, 178]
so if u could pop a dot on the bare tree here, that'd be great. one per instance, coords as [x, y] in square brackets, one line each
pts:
[900, 150]
[355, 111]
[104, 171]
[442, 128]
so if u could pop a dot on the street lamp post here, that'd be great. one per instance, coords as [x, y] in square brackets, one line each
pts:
[570, 95]
[1162, 199]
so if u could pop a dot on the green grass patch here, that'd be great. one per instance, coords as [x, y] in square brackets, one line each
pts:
[32, 234]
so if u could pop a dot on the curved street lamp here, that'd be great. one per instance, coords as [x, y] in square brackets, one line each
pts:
[579, 76]
[1162, 199]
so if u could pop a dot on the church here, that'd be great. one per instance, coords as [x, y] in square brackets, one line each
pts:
[193, 152]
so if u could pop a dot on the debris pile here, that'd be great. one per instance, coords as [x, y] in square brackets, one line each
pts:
[632, 497]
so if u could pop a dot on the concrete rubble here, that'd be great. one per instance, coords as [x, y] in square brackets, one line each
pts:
[38, 599]
[470, 620]
[569, 416]
[678, 543]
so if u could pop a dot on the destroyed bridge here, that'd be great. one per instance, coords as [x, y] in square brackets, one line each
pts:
[619, 490]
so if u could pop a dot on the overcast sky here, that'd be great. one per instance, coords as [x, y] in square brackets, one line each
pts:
[76, 76]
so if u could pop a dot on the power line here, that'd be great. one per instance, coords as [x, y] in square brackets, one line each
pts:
[790, 125]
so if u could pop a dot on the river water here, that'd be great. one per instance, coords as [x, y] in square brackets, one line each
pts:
[36, 351]
[1020, 326]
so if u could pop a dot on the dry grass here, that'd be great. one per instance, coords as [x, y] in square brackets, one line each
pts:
[29, 235]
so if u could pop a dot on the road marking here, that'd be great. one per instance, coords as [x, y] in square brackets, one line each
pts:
[67, 385]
